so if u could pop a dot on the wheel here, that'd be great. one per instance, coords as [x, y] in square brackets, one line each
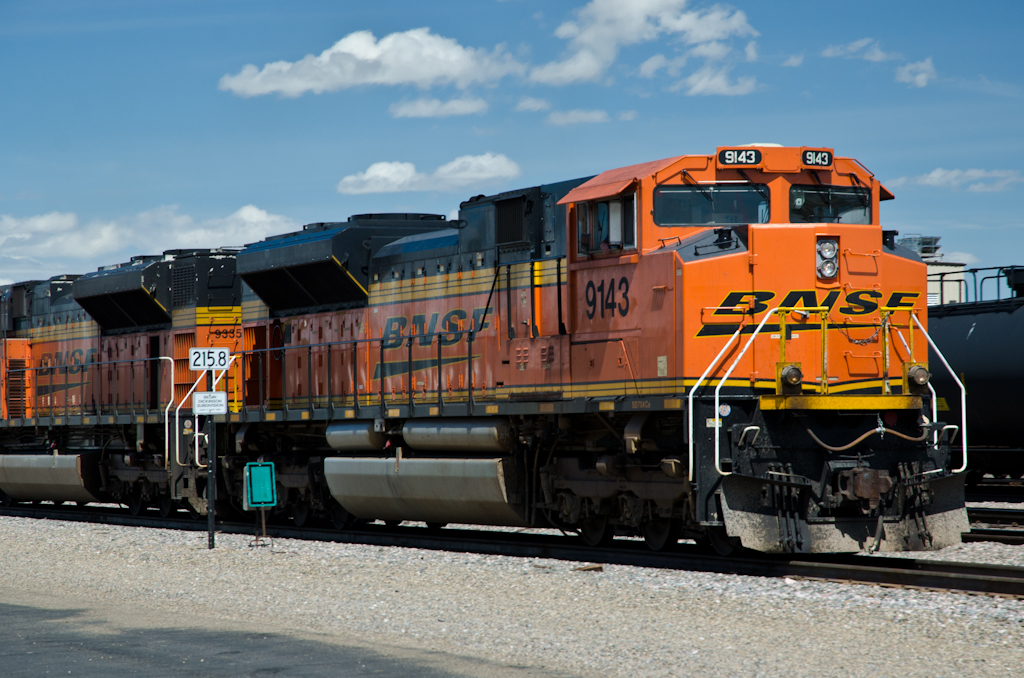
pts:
[392, 523]
[659, 534]
[164, 505]
[719, 542]
[596, 531]
[341, 518]
[300, 513]
[435, 527]
[192, 512]
[136, 504]
[7, 499]
[58, 502]
[80, 504]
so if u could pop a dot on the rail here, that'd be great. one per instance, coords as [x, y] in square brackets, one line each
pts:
[993, 580]
[135, 387]
[177, 411]
[728, 373]
[963, 395]
[970, 284]
[256, 366]
[885, 329]
[91, 391]
[693, 390]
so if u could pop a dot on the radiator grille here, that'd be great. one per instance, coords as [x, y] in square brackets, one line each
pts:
[510, 220]
[183, 284]
[16, 388]
[183, 376]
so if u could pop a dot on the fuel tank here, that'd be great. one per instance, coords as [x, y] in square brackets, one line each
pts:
[355, 437]
[434, 490]
[483, 434]
[51, 477]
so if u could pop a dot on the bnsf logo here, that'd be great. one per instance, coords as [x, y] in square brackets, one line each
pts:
[68, 362]
[861, 302]
[397, 327]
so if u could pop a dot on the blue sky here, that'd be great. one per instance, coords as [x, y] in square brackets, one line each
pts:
[133, 127]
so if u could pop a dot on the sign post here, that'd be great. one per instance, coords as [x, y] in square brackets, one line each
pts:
[211, 472]
[210, 403]
[259, 491]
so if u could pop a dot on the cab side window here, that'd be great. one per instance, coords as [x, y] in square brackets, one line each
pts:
[606, 224]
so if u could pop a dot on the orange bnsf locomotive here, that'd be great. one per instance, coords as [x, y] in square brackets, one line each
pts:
[726, 348]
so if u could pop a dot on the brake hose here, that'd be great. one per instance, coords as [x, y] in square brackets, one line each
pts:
[880, 430]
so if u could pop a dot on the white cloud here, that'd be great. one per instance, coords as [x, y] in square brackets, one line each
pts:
[712, 51]
[602, 27]
[856, 50]
[673, 67]
[875, 53]
[986, 86]
[794, 61]
[59, 242]
[711, 80]
[977, 180]
[916, 74]
[576, 116]
[435, 108]
[397, 177]
[751, 51]
[416, 57]
[531, 104]
[627, 115]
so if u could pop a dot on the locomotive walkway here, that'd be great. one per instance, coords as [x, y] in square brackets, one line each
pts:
[875, 570]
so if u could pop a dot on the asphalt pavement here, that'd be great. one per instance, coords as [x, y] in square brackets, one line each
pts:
[44, 635]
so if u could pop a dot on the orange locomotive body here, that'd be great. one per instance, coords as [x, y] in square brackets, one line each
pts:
[722, 347]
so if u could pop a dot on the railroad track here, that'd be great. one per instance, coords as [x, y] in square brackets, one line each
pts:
[876, 570]
[997, 489]
[985, 520]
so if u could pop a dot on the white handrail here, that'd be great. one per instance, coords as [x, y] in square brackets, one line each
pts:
[963, 394]
[935, 404]
[935, 413]
[167, 420]
[693, 390]
[177, 438]
[718, 390]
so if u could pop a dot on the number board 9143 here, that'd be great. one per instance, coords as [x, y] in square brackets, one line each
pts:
[739, 156]
[816, 158]
[202, 359]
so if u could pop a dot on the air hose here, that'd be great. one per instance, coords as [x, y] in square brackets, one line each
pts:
[881, 430]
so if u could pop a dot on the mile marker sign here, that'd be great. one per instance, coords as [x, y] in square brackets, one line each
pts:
[203, 359]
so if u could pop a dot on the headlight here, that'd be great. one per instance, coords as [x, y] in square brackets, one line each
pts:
[792, 375]
[826, 253]
[828, 249]
[919, 375]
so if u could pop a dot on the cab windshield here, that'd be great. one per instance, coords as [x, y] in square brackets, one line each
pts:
[711, 204]
[829, 205]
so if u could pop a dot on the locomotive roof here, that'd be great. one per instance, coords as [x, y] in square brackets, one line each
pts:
[769, 158]
[421, 244]
[615, 180]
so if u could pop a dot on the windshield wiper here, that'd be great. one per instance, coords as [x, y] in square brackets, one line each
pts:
[756, 187]
[704, 191]
[862, 196]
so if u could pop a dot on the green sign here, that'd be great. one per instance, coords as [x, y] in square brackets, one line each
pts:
[260, 489]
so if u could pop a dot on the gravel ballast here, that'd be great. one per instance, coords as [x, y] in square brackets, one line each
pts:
[622, 621]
